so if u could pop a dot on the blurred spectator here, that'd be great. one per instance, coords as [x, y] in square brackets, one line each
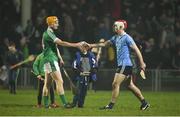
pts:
[92, 19]
[29, 30]
[102, 31]
[151, 54]
[177, 26]
[176, 56]
[68, 29]
[116, 9]
[24, 47]
[13, 57]
[18, 33]
[165, 57]
[91, 25]
[68, 26]
[4, 48]
[168, 36]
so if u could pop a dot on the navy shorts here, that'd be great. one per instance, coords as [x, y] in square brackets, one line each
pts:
[126, 70]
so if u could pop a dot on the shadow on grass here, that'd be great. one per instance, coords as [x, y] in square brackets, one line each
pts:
[16, 105]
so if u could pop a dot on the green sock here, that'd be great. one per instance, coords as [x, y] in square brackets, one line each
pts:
[63, 99]
[46, 104]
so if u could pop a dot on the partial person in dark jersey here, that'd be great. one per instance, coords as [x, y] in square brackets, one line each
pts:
[38, 71]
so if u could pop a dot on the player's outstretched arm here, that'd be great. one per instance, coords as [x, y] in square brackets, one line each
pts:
[101, 44]
[68, 44]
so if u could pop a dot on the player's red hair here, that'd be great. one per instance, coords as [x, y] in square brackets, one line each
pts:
[124, 22]
[50, 20]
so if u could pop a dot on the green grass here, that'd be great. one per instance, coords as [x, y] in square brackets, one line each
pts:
[162, 104]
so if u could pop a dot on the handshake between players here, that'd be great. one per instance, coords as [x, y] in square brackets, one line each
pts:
[86, 46]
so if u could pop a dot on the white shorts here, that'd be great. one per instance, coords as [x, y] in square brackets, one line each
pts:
[51, 66]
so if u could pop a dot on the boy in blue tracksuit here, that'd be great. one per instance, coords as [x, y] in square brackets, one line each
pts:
[85, 68]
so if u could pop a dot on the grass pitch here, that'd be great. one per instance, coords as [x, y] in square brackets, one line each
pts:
[22, 104]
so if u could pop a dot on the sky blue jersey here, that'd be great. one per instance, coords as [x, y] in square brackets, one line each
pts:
[122, 44]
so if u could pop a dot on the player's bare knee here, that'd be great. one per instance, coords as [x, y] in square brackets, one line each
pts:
[60, 83]
[45, 91]
[130, 87]
[114, 85]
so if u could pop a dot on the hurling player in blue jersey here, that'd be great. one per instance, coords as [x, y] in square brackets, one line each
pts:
[124, 44]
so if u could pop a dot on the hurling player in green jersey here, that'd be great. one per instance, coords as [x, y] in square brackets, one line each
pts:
[51, 57]
[38, 70]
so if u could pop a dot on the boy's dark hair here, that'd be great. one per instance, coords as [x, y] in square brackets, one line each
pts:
[11, 43]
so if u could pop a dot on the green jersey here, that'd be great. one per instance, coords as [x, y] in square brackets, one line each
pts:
[38, 65]
[49, 47]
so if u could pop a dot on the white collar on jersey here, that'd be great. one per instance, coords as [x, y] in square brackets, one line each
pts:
[123, 33]
[50, 29]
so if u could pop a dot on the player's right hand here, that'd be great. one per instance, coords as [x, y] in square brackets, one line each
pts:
[143, 66]
[39, 77]
[61, 63]
[85, 45]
